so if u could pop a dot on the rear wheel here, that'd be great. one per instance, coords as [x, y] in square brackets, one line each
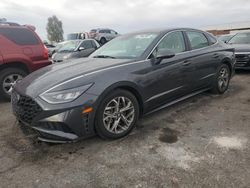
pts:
[103, 40]
[117, 114]
[8, 78]
[222, 80]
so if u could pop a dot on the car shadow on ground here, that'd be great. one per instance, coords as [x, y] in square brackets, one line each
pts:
[3, 101]
[242, 72]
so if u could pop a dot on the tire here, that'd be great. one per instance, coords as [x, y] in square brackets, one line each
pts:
[110, 123]
[6, 82]
[222, 79]
[103, 41]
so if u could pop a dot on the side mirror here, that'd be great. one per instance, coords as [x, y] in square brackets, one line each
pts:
[162, 54]
[165, 54]
[81, 48]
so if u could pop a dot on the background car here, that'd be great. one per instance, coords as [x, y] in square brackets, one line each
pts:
[103, 35]
[241, 43]
[77, 36]
[132, 75]
[75, 49]
[225, 38]
[21, 52]
[51, 48]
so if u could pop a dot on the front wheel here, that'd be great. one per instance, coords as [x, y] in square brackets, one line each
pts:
[222, 80]
[117, 114]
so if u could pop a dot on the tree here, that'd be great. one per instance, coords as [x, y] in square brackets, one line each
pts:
[54, 29]
[3, 20]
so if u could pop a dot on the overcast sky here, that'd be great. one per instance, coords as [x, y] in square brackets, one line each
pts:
[124, 15]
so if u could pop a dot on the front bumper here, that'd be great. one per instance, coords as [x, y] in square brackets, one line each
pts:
[242, 61]
[55, 124]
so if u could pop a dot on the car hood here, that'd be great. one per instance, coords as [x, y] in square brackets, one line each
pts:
[241, 47]
[47, 77]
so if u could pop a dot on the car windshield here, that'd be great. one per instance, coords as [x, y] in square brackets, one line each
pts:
[69, 46]
[240, 38]
[126, 47]
[225, 38]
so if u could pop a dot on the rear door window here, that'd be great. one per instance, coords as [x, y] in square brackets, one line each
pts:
[20, 36]
[102, 31]
[197, 40]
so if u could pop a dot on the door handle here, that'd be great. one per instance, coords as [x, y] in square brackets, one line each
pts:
[215, 55]
[186, 63]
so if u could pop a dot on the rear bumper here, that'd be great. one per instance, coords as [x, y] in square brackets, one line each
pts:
[39, 64]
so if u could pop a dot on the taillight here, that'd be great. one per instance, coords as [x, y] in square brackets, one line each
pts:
[46, 52]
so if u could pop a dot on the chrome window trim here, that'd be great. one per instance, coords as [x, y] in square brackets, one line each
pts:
[183, 30]
[242, 53]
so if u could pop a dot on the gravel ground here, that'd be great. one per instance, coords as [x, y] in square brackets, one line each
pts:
[201, 142]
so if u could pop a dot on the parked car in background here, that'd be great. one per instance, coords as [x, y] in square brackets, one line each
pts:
[75, 49]
[132, 75]
[21, 52]
[103, 35]
[77, 36]
[225, 38]
[241, 43]
[51, 48]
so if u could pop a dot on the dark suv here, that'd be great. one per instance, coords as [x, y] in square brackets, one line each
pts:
[21, 52]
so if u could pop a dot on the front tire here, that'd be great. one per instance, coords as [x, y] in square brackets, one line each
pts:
[8, 78]
[117, 114]
[221, 82]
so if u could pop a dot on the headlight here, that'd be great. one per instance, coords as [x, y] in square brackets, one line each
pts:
[66, 56]
[64, 96]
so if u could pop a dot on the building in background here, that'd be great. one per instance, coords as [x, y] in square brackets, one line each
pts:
[228, 28]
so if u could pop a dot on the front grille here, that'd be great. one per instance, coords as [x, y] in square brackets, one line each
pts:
[25, 108]
[242, 57]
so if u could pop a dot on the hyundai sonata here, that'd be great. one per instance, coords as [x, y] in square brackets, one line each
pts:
[132, 75]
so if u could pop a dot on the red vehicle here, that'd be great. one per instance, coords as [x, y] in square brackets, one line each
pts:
[21, 52]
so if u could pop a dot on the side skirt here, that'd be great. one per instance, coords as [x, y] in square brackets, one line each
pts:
[177, 100]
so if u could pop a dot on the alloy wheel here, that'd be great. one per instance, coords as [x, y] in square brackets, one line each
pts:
[223, 79]
[118, 115]
[9, 81]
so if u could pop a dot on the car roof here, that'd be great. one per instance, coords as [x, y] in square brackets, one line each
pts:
[165, 30]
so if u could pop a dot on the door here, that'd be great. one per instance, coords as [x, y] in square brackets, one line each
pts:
[203, 59]
[165, 80]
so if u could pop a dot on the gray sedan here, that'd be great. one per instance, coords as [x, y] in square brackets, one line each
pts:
[75, 49]
[128, 77]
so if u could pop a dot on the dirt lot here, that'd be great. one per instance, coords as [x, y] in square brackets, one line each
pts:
[201, 142]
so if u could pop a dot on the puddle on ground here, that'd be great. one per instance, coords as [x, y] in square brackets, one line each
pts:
[169, 135]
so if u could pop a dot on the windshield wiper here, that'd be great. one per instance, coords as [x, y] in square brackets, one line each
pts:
[104, 56]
